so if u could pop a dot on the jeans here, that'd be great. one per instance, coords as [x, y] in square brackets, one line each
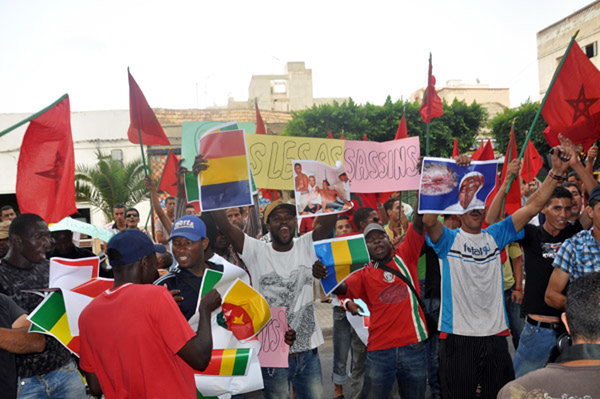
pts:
[432, 306]
[304, 373]
[515, 321]
[344, 339]
[64, 382]
[534, 349]
[406, 364]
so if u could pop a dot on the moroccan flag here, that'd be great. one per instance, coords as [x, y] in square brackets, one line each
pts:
[260, 124]
[51, 316]
[341, 256]
[246, 312]
[168, 180]
[512, 200]
[402, 131]
[432, 104]
[532, 163]
[365, 137]
[228, 362]
[226, 182]
[484, 153]
[572, 106]
[455, 149]
[143, 119]
[329, 135]
[46, 167]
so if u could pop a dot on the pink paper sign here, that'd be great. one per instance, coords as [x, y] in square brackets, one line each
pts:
[273, 349]
[377, 167]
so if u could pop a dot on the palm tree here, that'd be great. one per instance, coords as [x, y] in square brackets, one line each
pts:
[110, 182]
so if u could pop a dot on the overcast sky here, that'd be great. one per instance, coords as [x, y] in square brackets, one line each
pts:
[188, 54]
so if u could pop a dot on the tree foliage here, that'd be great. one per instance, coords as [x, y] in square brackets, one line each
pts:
[110, 182]
[523, 116]
[380, 123]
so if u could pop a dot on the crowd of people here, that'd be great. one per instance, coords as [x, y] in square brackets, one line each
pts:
[447, 295]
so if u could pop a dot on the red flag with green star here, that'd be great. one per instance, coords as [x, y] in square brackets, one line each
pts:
[46, 167]
[573, 104]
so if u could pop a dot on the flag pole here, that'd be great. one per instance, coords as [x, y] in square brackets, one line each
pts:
[143, 156]
[539, 111]
[24, 121]
[427, 140]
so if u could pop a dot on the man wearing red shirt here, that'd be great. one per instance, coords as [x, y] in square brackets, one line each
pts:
[135, 343]
[397, 329]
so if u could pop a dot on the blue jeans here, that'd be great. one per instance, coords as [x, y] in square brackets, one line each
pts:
[407, 364]
[64, 382]
[515, 321]
[304, 373]
[345, 339]
[534, 349]
[432, 306]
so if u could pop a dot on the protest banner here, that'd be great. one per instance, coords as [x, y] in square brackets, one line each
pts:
[320, 188]
[271, 157]
[274, 351]
[452, 189]
[374, 167]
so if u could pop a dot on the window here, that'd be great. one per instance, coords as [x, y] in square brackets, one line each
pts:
[591, 50]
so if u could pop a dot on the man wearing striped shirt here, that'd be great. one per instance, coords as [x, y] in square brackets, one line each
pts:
[397, 329]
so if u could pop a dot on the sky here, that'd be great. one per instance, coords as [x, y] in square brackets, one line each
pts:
[194, 54]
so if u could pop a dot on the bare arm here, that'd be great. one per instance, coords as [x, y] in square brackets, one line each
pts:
[517, 264]
[323, 226]
[537, 201]
[197, 351]
[18, 340]
[591, 158]
[554, 296]
[162, 216]
[93, 384]
[494, 211]
[433, 227]
[235, 235]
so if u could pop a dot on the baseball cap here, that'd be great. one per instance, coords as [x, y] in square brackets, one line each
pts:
[129, 246]
[276, 204]
[595, 194]
[4, 229]
[373, 227]
[190, 227]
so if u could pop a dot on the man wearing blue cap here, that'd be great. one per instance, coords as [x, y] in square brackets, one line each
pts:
[140, 325]
[189, 241]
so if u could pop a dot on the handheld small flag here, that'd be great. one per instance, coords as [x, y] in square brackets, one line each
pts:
[228, 362]
[226, 182]
[341, 256]
[246, 312]
[69, 273]
[402, 131]
[51, 316]
[455, 152]
[144, 126]
[532, 163]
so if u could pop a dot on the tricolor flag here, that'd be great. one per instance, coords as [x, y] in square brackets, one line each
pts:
[58, 314]
[341, 256]
[246, 312]
[228, 362]
[51, 317]
[226, 182]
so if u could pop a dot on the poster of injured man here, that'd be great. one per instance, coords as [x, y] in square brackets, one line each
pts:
[320, 188]
[448, 188]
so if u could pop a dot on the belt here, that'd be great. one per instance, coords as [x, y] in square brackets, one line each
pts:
[298, 354]
[556, 325]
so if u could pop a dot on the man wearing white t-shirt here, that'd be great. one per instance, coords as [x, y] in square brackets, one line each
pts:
[473, 325]
[282, 272]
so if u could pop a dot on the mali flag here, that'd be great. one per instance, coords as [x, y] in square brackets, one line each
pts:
[246, 312]
[228, 362]
[341, 256]
[51, 317]
[226, 182]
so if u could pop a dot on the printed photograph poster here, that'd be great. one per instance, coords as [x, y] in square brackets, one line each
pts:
[448, 188]
[320, 188]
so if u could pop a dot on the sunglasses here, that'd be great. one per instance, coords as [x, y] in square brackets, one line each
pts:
[132, 215]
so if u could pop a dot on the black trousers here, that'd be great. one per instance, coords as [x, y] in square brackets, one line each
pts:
[466, 362]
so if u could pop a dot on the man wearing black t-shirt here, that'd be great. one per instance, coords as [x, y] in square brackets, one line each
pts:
[540, 245]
